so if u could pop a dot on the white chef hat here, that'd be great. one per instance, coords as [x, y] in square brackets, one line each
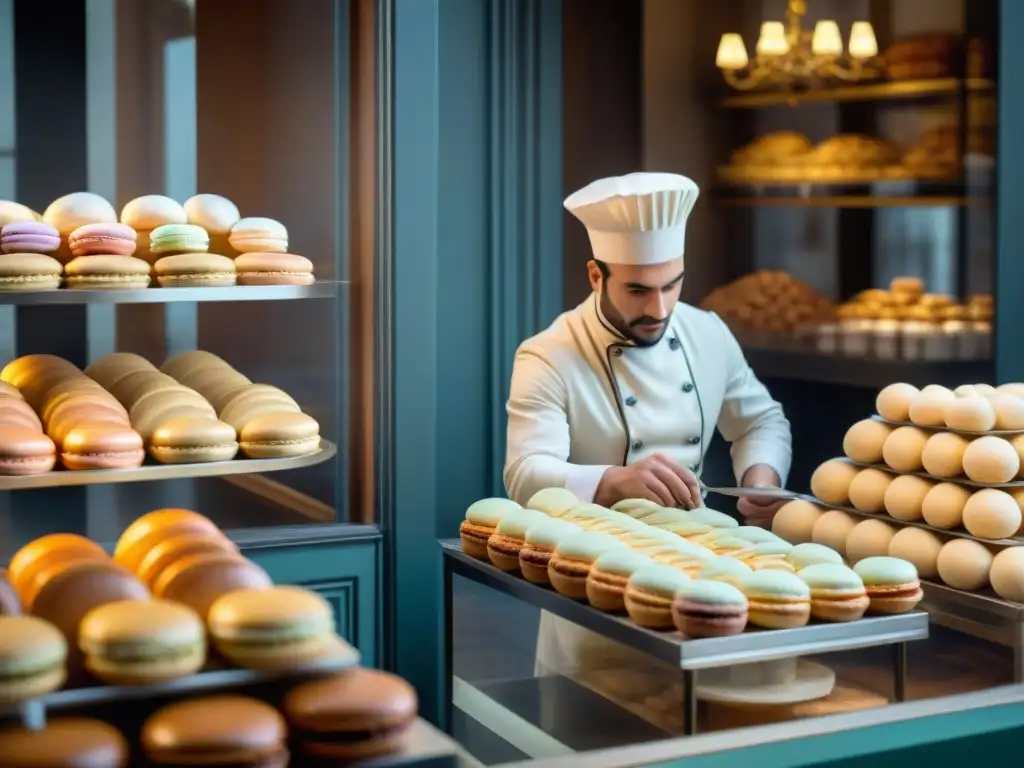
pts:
[638, 219]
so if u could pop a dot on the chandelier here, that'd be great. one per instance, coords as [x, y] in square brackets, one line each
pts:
[787, 56]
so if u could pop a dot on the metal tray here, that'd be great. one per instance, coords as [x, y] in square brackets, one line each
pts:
[321, 290]
[148, 472]
[966, 433]
[958, 533]
[708, 653]
[962, 480]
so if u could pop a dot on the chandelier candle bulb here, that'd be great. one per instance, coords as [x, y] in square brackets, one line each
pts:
[826, 40]
[772, 41]
[732, 53]
[863, 44]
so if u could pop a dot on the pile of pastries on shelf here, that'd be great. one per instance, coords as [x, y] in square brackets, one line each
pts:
[903, 322]
[80, 242]
[195, 408]
[851, 158]
[937, 55]
[934, 478]
[698, 571]
[907, 323]
[175, 595]
[770, 300]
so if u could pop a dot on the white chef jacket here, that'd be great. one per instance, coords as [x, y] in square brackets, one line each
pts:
[583, 399]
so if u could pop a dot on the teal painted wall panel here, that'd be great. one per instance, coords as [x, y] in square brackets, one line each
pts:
[346, 574]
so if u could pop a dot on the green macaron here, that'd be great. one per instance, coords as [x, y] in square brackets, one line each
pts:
[878, 571]
[667, 517]
[688, 528]
[768, 583]
[713, 518]
[768, 548]
[649, 538]
[830, 576]
[727, 569]
[753, 534]
[550, 532]
[553, 501]
[587, 545]
[803, 555]
[516, 524]
[621, 562]
[488, 512]
[711, 593]
[661, 580]
[638, 508]
[178, 238]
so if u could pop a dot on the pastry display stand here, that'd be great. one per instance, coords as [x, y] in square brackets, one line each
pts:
[690, 656]
[323, 290]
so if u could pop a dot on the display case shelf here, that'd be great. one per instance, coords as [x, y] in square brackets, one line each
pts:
[874, 194]
[865, 372]
[326, 289]
[890, 91]
[149, 472]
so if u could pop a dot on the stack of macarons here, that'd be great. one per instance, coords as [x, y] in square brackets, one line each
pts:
[262, 258]
[24, 447]
[699, 571]
[176, 423]
[268, 421]
[25, 263]
[183, 259]
[86, 426]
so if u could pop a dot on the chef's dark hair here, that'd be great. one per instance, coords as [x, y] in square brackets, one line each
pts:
[605, 272]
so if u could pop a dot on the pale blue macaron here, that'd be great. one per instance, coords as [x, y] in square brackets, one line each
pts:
[179, 238]
[553, 501]
[713, 518]
[803, 555]
[488, 512]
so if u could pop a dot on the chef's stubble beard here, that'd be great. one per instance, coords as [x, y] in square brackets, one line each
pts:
[613, 316]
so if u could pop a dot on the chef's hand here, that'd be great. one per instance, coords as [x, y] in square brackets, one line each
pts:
[758, 510]
[656, 478]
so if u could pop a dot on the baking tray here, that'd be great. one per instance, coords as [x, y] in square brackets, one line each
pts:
[964, 432]
[957, 533]
[149, 472]
[961, 480]
[706, 653]
[320, 290]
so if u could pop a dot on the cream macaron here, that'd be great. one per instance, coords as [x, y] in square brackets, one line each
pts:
[554, 502]
[193, 440]
[572, 559]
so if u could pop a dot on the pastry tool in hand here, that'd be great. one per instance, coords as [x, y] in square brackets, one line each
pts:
[778, 494]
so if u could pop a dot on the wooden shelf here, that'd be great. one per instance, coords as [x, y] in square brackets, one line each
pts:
[894, 91]
[884, 193]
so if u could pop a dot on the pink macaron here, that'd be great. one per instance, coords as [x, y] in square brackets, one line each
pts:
[102, 240]
[29, 237]
[25, 451]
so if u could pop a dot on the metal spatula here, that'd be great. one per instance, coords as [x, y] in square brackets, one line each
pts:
[780, 494]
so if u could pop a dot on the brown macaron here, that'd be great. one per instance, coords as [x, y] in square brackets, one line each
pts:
[151, 528]
[102, 446]
[216, 730]
[199, 580]
[63, 743]
[356, 715]
[40, 554]
[171, 550]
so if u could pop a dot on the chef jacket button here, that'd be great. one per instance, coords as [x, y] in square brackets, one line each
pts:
[638, 444]
[630, 400]
[693, 467]
[688, 387]
[617, 351]
[695, 440]
[673, 343]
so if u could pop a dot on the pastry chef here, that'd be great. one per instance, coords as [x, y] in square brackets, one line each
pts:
[620, 396]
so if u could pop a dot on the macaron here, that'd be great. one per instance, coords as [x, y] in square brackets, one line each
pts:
[42, 553]
[32, 657]
[587, 515]
[725, 569]
[279, 435]
[11, 212]
[10, 391]
[29, 272]
[217, 215]
[170, 406]
[689, 529]
[192, 440]
[712, 517]
[508, 538]
[649, 595]
[618, 524]
[22, 369]
[224, 730]
[170, 550]
[638, 508]
[133, 642]
[482, 518]
[572, 559]
[102, 240]
[274, 269]
[837, 592]
[29, 237]
[776, 599]
[64, 742]
[608, 576]
[25, 451]
[18, 412]
[198, 581]
[650, 538]
[195, 270]
[102, 446]
[891, 584]
[709, 609]
[803, 555]
[219, 385]
[256, 234]
[239, 413]
[170, 239]
[542, 538]
[357, 715]
[146, 213]
[554, 502]
[182, 363]
[667, 517]
[683, 555]
[107, 273]
[149, 529]
[68, 213]
[273, 628]
[134, 385]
